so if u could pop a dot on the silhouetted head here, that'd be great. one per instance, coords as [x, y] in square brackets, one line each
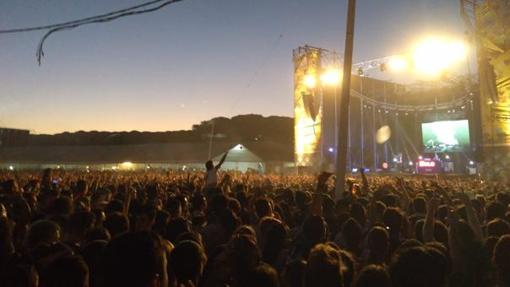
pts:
[116, 223]
[262, 275]
[294, 274]
[176, 227]
[324, 267]
[378, 243]
[242, 255]
[135, 259]
[495, 210]
[42, 232]
[263, 208]
[68, 271]
[500, 259]
[209, 165]
[187, 261]
[353, 234]
[498, 227]
[373, 275]
[315, 229]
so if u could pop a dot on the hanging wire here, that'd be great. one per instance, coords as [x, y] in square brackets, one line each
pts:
[57, 25]
[107, 17]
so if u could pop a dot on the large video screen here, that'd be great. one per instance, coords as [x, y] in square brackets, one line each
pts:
[445, 136]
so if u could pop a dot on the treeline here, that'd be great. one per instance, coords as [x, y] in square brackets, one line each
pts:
[242, 128]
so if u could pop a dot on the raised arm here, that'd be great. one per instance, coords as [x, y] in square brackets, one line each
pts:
[472, 218]
[127, 201]
[221, 160]
[405, 199]
[430, 220]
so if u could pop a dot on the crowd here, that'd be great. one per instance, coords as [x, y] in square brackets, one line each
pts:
[160, 228]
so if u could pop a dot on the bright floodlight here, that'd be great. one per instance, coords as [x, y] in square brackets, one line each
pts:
[457, 51]
[434, 55]
[126, 165]
[309, 81]
[397, 63]
[331, 77]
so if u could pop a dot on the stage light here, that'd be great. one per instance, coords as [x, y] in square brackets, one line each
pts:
[447, 157]
[309, 81]
[420, 157]
[330, 149]
[434, 55]
[411, 163]
[456, 51]
[383, 134]
[11, 167]
[127, 164]
[397, 64]
[354, 170]
[395, 159]
[471, 162]
[331, 77]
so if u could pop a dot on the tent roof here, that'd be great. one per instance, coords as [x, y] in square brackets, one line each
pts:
[239, 153]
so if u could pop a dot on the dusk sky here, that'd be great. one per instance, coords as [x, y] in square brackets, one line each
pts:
[187, 62]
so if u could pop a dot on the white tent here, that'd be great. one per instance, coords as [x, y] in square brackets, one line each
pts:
[242, 159]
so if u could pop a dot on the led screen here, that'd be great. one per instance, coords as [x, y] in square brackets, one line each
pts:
[445, 136]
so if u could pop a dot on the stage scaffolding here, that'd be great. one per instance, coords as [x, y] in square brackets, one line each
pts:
[374, 103]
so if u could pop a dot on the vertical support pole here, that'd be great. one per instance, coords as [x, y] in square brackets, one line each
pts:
[344, 102]
[362, 137]
[374, 141]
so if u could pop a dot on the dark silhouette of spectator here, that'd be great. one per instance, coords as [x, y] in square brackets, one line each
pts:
[67, 271]
[135, 259]
[378, 245]
[324, 267]
[187, 262]
[116, 224]
[500, 258]
[373, 276]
